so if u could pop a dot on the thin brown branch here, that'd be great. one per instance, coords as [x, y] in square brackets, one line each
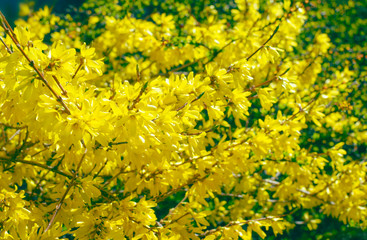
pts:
[211, 153]
[138, 73]
[12, 127]
[243, 196]
[185, 65]
[38, 165]
[79, 67]
[304, 108]
[264, 44]
[194, 179]
[180, 217]
[309, 65]
[116, 175]
[71, 184]
[240, 223]
[173, 209]
[6, 46]
[137, 99]
[12, 35]
[43, 178]
[194, 100]
[100, 170]
[216, 53]
[109, 195]
[198, 133]
[64, 92]
[276, 183]
[199, 59]
[252, 88]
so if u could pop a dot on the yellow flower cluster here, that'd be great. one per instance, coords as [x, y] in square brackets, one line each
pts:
[100, 149]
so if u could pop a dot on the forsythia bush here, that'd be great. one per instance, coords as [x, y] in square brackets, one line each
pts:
[178, 120]
[346, 121]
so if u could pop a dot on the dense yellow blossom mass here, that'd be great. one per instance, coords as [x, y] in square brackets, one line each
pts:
[215, 122]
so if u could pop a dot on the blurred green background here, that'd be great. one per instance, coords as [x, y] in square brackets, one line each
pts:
[10, 8]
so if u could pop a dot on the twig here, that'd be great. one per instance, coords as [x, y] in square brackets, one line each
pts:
[44, 176]
[276, 183]
[309, 65]
[243, 196]
[216, 53]
[194, 100]
[198, 133]
[72, 183]
[252, 88]
[12, 35]
[144, 69]
[79, 67]
[13, 127]
[180, 217]
[163, 196]
[173, 209]
[232, 223]
[116, 143]
[303, 109]
[138, 73]
[6, 46]
[195, 178]
[262, 46]
[199, 59]
[116, 175]
[15, 134]
[64, 92]
[137, 99]
[100, 170]
[185, 65]
[38, 165]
